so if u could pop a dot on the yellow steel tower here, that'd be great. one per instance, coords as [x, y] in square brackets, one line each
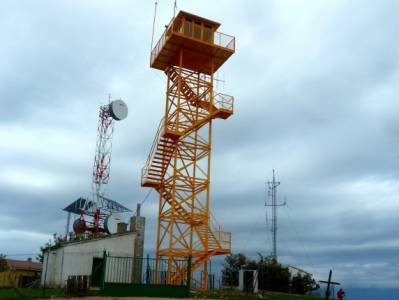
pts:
[190, 51]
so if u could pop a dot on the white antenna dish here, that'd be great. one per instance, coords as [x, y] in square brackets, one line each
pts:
[118, 110]
[111, 223]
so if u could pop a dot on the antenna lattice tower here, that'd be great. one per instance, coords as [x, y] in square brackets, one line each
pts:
[102, 159]
[178, 166]
[113, 111]
[272, 193]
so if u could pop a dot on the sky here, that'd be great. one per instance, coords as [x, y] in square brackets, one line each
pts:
[315, 83]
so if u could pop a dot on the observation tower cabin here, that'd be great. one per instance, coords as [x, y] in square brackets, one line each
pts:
[192, 42]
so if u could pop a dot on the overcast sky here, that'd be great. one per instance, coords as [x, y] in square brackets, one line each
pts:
[316, 98]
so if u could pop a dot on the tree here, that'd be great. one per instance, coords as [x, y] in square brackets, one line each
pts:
[57, 241]
[303, 284]
[232, 264]
[3, 263]
[273, 276]
[298, 284]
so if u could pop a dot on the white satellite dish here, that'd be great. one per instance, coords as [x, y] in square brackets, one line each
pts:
[111, 223]
[118, 110]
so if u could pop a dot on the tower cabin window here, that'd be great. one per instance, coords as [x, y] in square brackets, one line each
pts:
[197, 30]
[207, 36]
[188, 27]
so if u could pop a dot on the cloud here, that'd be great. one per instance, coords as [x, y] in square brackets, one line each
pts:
[315, 87]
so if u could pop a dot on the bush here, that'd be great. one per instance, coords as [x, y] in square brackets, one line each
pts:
[272, 276]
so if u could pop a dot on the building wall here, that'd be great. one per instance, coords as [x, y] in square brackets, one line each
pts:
[13, 278]
[295, 271]
[76, 258]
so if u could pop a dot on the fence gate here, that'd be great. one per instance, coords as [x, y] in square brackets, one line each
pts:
[136, 276]
[97, 271]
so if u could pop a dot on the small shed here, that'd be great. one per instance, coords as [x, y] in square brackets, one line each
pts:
[20, 273]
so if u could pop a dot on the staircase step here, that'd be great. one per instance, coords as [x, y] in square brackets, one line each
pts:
[156, 174]
[157, 167]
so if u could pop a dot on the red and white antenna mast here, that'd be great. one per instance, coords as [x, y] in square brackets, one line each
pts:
[99, 210]
[115, 110]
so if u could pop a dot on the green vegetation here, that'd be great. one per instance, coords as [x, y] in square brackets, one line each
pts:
[3, 263]
[231, 294]
[272, 276]
[28, 293]
[57, 240]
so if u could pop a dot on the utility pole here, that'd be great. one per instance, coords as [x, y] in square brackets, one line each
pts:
[272, 193]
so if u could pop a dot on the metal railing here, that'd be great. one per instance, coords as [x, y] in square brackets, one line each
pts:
[224, 237]
[219, 39]
[224, 40]
[223, 101]
[159, 45]
[158, 136]
[127, 269]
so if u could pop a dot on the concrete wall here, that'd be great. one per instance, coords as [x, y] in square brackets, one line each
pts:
[76, 258]
[137, 225]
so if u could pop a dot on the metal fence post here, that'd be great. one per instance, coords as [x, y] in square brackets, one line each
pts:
[147, 270]
[104, 270]
[189, 272]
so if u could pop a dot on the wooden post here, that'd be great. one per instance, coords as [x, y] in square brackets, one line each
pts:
[329, 283]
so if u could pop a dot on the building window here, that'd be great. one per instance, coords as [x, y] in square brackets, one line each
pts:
[197, 30]
[207, 34]
[188, 27]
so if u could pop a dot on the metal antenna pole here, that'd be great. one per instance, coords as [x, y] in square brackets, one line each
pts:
[174, 8]
[153, 24]
[272, 193]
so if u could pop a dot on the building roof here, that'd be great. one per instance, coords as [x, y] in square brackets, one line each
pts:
[77, 206]
[23, 265]
[183, 13]
[107, 204]
[298, 269]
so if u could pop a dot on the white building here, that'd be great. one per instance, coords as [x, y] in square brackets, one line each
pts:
[77, 257]
[295, 271]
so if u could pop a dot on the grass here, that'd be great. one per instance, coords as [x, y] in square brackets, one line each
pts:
[29, 293]
[228, 294]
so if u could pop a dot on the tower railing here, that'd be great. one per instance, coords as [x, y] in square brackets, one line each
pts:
[224, 40]
[219, 39]
[224, 237]
[223, 101]
[158, 136]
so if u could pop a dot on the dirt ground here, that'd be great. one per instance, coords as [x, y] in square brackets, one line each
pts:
[123, 298]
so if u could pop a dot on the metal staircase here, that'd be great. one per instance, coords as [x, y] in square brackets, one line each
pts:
[157, 162]
[211, 239]
[225, 109]
[219, 242]
[165, 142]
